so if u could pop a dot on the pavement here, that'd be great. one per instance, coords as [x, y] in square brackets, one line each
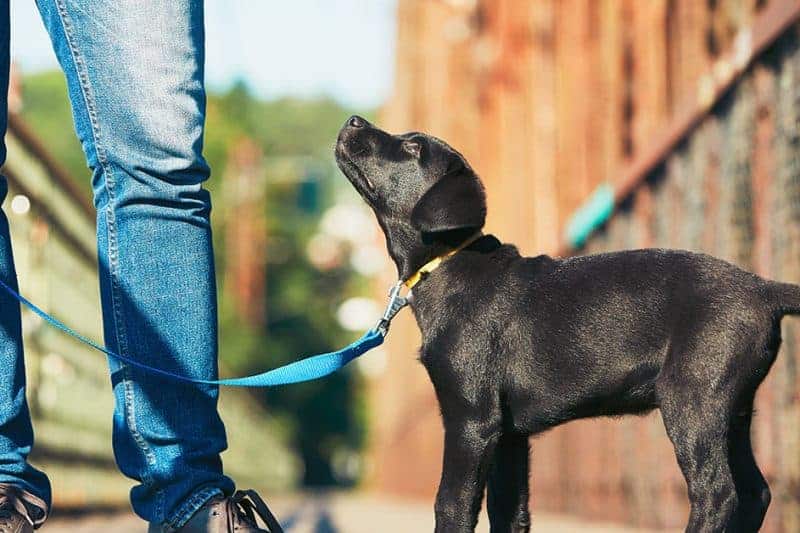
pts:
[336, 513]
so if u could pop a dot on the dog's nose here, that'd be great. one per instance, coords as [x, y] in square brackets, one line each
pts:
[356, 122]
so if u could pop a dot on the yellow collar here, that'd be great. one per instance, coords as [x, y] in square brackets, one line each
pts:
[434, 263]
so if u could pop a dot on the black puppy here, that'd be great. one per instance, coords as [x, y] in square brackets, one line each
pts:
[516, 345]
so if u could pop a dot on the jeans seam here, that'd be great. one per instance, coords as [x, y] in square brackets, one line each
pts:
[191, 505]
[113, 257]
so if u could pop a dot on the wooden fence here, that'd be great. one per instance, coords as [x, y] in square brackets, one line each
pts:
[690, 111]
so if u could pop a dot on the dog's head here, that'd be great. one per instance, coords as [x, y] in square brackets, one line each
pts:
[424, 193]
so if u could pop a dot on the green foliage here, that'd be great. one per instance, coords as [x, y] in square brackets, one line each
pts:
[297, 138]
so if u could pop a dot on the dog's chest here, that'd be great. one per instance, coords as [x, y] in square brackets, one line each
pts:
[463, 368]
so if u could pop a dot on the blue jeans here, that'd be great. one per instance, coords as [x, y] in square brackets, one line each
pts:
[135, 76]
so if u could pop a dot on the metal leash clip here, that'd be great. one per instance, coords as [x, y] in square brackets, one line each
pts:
[396, 303]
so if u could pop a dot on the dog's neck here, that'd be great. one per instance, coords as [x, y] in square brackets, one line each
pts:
[453, 276]
[410, 250]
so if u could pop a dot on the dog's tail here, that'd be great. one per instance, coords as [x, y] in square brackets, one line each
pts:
[786, 296]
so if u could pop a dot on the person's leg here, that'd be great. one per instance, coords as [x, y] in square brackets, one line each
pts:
[135, 76]
[16, 434]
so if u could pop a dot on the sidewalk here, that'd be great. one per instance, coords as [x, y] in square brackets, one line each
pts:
[339, 513]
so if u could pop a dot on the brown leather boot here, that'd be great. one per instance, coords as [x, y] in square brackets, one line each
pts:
[20, 511]
[236, 514]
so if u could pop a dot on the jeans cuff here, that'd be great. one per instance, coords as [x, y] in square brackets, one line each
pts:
[191, 505]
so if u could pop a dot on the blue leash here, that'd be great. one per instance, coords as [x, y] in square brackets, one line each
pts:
[310, 368]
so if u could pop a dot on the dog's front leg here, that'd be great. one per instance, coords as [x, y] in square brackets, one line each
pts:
[468, 449]
[507, 492]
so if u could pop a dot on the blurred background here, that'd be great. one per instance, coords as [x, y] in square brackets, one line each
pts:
[595, 124]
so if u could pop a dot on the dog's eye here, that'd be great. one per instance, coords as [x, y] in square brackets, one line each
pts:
[412, 147]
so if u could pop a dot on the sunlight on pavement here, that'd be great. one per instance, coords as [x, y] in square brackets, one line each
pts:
[341, 513]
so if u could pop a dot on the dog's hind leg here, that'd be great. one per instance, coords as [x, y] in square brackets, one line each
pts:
[507, 488]
[751, 487]
[698, 431]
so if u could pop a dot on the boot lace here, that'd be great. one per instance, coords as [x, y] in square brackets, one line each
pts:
[10, 507]
[13, 505]
[245, 506]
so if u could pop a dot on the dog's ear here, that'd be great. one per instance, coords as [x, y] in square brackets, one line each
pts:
[457, 201]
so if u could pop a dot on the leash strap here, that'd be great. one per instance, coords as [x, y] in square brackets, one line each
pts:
[310, 368]
[307, 369]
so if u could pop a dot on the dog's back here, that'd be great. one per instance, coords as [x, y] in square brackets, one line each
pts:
[593, 335]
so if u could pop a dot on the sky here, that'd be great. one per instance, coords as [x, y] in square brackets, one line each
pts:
[341, 48]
